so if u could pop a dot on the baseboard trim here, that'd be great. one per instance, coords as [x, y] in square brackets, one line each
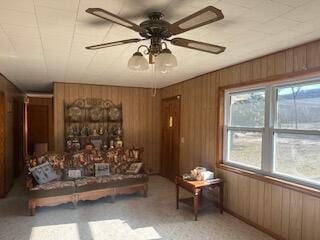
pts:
[260, 228]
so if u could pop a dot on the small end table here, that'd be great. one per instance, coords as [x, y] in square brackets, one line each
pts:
[195, 187]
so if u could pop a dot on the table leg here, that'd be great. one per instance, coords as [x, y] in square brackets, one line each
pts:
[221, 197]
[196, 205]
[177, 195]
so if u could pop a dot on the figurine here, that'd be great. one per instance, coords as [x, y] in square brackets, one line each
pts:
[100, 131]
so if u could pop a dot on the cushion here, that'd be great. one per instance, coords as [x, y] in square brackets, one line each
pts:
[43, 173]
[117, 180]
[52, 189]
[119, 160]
[72, 174]
[134, 168]
[101, 169]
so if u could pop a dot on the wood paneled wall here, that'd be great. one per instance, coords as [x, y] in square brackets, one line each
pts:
[287, 213]
[47, 103]
[141, 117]
[11, 93]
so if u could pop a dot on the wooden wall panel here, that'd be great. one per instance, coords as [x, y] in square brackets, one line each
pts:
[286, 213]
[11, 93]
[140, 119]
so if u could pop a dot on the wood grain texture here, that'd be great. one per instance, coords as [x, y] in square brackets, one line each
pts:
[47, 103]
[141, 121]
[2, 146]
[11, 93]
[275, 208]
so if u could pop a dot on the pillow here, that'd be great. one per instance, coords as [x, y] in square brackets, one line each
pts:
[101, 169]
[134, 168]
[43, 173]
[73, 173]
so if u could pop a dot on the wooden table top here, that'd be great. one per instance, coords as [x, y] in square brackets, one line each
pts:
[198, 184]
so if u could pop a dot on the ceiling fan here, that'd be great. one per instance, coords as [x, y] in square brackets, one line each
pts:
[159, 31]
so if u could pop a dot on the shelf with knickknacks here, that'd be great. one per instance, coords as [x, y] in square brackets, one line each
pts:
[94, 122]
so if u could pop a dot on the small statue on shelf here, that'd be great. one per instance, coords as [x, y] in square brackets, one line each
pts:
[118, 142]
[111, 144]
[100, 132]
[70, 132]
[84, 131]
[94, 132]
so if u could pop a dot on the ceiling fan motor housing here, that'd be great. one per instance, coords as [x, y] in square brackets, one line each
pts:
[155, 27]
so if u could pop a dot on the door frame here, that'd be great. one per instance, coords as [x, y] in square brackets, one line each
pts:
[179, 132]
[3, 151]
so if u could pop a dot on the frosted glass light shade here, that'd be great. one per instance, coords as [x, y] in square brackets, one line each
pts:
[165, 61]
[137, 62]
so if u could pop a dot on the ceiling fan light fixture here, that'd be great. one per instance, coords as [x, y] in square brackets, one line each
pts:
[138, 62]
[165, 61]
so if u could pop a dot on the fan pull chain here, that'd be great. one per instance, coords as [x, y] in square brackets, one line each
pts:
[154, 81]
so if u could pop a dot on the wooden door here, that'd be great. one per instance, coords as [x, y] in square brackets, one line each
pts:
[40, 122]
[170, 137]
[2, 145]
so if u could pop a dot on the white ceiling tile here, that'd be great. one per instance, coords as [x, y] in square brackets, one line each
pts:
[283, 36]
[267, 11]
[55, 16]
[86, 28]
[17, 18]
[18, 5]
[69, 5]
[6, 48]
[25, 46]
[276, 25]
[305, 12]
[293, 3]
[230, 10]
[20, 31]
[246, 3]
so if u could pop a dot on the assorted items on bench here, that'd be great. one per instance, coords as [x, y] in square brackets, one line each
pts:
[56, 178]
[200, 174]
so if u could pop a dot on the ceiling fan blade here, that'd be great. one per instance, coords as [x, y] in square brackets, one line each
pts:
[205, 16]
[205, 47]
[112, 44]
[99, 12]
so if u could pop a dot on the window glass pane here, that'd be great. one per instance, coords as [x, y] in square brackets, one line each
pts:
[298, 155]
[245, 148]
[247, 109]
[298, 107]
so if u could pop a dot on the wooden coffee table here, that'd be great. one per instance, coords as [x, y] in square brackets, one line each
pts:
[195, 187]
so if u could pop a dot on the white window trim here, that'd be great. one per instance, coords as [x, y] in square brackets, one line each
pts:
[267, 165]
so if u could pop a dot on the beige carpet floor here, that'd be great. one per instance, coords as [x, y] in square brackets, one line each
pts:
[130, 217]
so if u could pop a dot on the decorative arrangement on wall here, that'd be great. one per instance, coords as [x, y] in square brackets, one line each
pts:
[93, 122]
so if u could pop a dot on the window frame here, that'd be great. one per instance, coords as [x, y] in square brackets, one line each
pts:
[227, 128]
[268, 132]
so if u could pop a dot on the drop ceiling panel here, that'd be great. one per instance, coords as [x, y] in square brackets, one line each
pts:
[42, 41]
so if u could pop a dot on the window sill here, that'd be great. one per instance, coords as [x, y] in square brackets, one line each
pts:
[272, 180]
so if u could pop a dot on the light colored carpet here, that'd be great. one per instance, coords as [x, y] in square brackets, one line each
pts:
[130, 217]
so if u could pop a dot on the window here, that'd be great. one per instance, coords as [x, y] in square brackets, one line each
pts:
[245, 127]
[275, 130]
